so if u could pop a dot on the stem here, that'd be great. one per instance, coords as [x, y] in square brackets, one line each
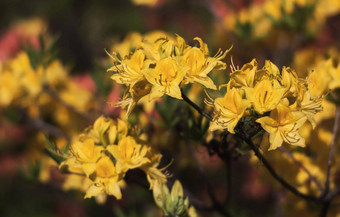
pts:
[311, 177]
[56, 96]
[331, 150]
[43, 126]
[196, 107]
[258, 154]
[271, 170]
[324, 209]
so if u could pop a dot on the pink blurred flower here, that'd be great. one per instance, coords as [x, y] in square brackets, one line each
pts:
[85, 81]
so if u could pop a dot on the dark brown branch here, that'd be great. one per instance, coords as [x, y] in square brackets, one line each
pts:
[331, 150]
[46, 127]
[56, 96]
[196, 107]
[311, 177]
[271, 170]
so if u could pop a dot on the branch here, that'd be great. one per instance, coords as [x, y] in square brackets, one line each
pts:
[196, 107]
[271, 170]
[311, 177]
[43, 126]
[56, 96]
[331, 150]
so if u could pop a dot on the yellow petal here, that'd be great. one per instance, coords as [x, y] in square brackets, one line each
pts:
[112, 188]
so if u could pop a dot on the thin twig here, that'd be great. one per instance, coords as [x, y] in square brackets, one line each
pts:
[56, 96]
[196, 107]
[258, 154]
[331, 150]
[311, 177]
[271, 170]
[50, 129]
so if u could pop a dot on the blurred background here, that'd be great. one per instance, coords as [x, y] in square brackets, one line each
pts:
[293, 33]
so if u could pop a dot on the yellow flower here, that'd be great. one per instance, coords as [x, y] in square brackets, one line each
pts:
[153, 174]
[55, 73]
[165, 78]
[129, 69]
[228, 111]
[283, 125]
[264, 96]
[128, 154]
[135, 94]
[335, 73]
[319, 79]
[10, 88]
[117, 131]
[145, 2]
[271, 69]
[28, 78]
[161, 48]
[106, 180]
[100, 126]
[130, 42]
[78, 97]
[85, 154]
[307, 105]
[289, 79]
[245, 76]
[200, 64]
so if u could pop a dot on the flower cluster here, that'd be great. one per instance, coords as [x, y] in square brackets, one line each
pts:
[280, 101]
[158, 67]
[104, 153]
[42, 90]
[261, 17]
[19, 80]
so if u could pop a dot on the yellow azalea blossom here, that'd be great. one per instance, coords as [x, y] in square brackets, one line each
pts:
[85, 154]
[153, 174]
[309, 106]
[128, 72]
[335, 73]
[117, 131]
[28, 78]
[10, 89]
[81, 183]
[319, 78]
[78, 97]
[128, 154]
[55, 74]
[200, 64]
[268, 72]
[271, 68]
[245, 76]
[264, 96]
[130, 42]
[283, 125]
[228, 111]
[289, 79]
[145, 2]
[106, 181]
[165, 78]
[161, 48]
[135, 94]
[100, 126]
